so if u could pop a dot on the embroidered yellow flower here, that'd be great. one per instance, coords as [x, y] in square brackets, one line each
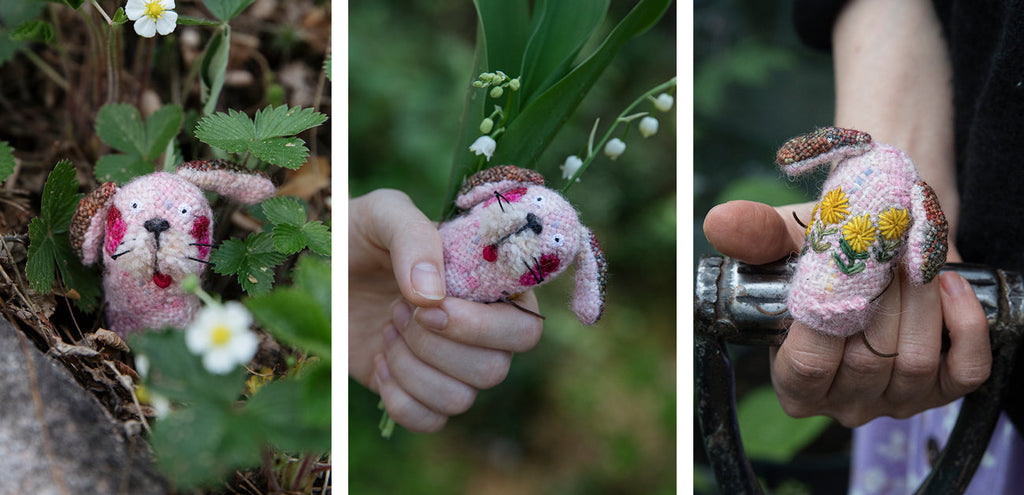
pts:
[810, 223]
[859, 233]
[835, 206]
[893, 222]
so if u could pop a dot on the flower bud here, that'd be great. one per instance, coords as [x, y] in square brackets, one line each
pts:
[496, 92]
[648, 126]
[614, 148]
[514, 84]
[664, 102]
[486, 125]
[571, 165]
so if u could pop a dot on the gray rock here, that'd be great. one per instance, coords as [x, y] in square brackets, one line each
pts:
[55, 437]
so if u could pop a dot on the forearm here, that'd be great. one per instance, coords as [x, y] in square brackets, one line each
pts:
[894, 81]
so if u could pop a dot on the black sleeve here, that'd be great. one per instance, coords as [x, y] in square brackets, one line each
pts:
[813, 20]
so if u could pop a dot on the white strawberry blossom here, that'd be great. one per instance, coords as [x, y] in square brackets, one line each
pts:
[221, 334]
[152, 16]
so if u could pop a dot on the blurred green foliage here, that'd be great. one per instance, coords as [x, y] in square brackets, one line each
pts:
[589, 410]
[754, 87]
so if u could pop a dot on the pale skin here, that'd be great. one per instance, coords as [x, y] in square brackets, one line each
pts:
[427, 355]
[893, 80]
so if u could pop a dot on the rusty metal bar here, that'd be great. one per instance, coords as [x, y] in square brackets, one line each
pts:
[745, 304]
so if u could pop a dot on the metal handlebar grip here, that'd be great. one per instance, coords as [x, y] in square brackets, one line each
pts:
[746, 304]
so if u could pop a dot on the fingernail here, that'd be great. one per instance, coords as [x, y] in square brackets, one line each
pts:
[432, 318]
[401, 313]
[427, 281]
[954, 284]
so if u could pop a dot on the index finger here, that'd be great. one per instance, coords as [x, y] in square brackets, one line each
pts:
[500, 326]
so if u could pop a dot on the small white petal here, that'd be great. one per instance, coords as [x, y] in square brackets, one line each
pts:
[218, 363]
[167, 4]
[571, 165]
[664, 102]
[648, 126]
[166, 23]
[484, 145]
[614, 148]
[134, 12]
[145, 27]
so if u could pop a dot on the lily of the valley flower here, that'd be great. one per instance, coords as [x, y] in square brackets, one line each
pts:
[648, 126]
[152, 16]
[664, 102]
[484, 145]
[221, 334]
[571, 165]
[614, 148]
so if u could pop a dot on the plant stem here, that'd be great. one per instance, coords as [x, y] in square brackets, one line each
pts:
[625, 113]
[103, 13]
[46, 68]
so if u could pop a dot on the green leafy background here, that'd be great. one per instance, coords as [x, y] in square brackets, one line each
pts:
[589, 410]
[754, 86]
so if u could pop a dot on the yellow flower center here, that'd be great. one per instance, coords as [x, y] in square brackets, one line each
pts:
[220, 335]
[859, 233]
[835, 206]
[154, 10]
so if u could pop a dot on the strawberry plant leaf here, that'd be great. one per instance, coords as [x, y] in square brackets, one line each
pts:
[60, 197]
[6, 160]
[269, 136]
[226, 10]
[40, 264]
[283, 121]
[121, 168]
[120, 126]
[318, 237]
[253, 260]
[284, 210]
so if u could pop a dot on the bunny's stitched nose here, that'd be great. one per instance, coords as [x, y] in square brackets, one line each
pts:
[156, 225]
[533, 223]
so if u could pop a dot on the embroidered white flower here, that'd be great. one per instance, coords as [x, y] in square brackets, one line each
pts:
[614, 148]
[221, 334]
[152, 16]
[648, 126]
[664, 102]
[484, 145]
[571, 165]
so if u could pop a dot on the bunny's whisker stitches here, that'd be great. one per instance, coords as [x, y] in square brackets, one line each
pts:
[200, 261]
[118, 255]
[201, 244]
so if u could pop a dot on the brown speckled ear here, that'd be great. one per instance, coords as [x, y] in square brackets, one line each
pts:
[804, 153]
[88, 222]
[228, 179]
[482, 185]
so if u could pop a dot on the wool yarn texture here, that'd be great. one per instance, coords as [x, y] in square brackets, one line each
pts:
[154, 232]
[513, 234]
[875, 215]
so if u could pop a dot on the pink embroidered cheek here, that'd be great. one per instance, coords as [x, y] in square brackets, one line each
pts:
[115, 230]
[545, 266]
[491, 253]
[201, 233]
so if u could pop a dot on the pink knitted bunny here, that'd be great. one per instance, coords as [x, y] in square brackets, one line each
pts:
[151, 234]
[515, 234]
[875, 210]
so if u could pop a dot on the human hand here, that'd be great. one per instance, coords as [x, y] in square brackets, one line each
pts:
[814, 373]
[427, 355]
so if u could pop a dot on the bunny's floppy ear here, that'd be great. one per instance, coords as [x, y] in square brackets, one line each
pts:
[228, 179]
[591, 277]
[88, 222]
[482, 185]
[803, 153]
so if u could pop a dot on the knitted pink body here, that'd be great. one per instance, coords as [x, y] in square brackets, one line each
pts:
[151, 234]
[875, 211]
[515, 234]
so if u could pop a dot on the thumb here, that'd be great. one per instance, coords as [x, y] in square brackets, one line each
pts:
[755, 232]
[393, 224]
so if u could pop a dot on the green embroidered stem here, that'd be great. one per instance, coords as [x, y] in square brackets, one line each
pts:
[887, 250]
[855, 264]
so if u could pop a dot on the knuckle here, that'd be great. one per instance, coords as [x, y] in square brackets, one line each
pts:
[864, 363]
[914, 365]
[804, 369]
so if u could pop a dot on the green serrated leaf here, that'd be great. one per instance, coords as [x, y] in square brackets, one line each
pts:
[318, 237]
[84, 281]
[120, 126]
[289, 153]
[281, 410]
[226, 10]
[14, 14]
[288, 238]
[283, 121]
[6, 160]
[313, 275]
[231, 132]
[121, 168]
[295, 318]
[34, 31]
[161, 127]
[60, 197]
[253, 260]
[283, 209]
[40, 264]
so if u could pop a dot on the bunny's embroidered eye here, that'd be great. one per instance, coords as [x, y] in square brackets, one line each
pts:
[557, 239]
[135, 206]
[184, 210]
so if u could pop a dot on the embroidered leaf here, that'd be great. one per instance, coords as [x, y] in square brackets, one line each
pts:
[6, 161]
[270, 136]
[253, 260]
